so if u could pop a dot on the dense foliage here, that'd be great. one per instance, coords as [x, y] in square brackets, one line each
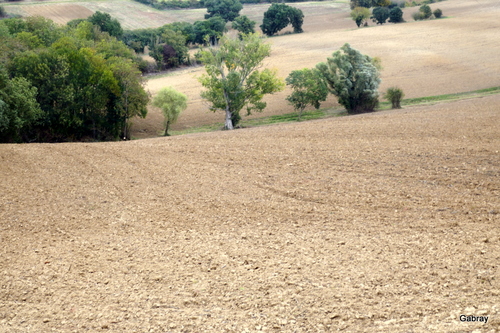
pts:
[244, 25]
[309, 88]
[168, 44]
[396, 15]
[228, 10]
[353, 78]
[232, 78]
[279, 16]
[62, 83]
[380, 14]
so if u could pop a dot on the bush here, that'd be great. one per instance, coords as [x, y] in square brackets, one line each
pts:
[438, 13]
[394, 95]
[418, 16]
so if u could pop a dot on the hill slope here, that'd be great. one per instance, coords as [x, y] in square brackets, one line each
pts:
[382, 222]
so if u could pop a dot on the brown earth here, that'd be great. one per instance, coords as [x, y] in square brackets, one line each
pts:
[384, 222]
[456, 54]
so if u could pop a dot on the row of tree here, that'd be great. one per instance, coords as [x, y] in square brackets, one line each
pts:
[233, 81]
[61, 83]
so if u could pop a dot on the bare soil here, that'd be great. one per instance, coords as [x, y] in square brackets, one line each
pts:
[384, 222]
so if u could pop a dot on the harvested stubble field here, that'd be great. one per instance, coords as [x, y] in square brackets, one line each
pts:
[384, 222]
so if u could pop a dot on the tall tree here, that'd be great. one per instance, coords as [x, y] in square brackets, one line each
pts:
[228, 10]
[172, 103]
[19, 109]
[233, 80]
[353, 78]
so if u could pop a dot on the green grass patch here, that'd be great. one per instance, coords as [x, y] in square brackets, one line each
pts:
[450, 97]
[338, 111]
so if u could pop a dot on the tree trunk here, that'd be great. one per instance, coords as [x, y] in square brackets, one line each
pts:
[229, 123]
[166, 129]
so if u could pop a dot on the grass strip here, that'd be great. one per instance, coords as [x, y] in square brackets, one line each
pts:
[339, 111]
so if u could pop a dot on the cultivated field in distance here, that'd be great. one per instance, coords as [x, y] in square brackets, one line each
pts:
[457, 54]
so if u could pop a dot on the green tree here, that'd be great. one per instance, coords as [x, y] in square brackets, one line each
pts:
[228, 10]
[353, 78]
[279, 16]
[395, 95]
[396, 15]
[233, 80]
[426, 11]
[438, 13]
[171, 103]
[380, 14]
[360, 15]
[209, 31]
[360, 3]
[19, 110]
[309, 88]
[107, 24]
[244, 25]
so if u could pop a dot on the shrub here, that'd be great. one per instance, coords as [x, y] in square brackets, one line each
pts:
[394, 95]
[438, 13]
[418, 16]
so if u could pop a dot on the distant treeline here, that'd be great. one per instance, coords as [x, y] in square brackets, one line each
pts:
[164, 4]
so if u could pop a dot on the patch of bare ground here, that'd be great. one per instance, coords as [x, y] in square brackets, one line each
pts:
[456, 54]
[384, 222]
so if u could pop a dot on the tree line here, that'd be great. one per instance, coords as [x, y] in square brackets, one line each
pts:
[60, 83]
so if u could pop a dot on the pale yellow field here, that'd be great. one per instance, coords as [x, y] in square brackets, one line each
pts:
[59, 13]
[456, 54]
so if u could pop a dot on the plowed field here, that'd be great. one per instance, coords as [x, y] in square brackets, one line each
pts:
[387, 222]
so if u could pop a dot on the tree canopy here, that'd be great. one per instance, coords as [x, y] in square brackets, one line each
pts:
[228, 10]
[279, 16]
[360, 15]
[309, 88]
[232, 78]
[75, 82]
[353, 78]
